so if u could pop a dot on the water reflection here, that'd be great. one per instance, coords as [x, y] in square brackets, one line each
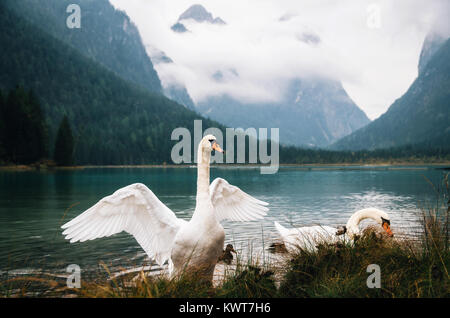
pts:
[33, 205]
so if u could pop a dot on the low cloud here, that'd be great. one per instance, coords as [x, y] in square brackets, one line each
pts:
[266, 43]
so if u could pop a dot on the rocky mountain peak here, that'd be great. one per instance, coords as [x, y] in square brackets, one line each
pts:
[199, 14]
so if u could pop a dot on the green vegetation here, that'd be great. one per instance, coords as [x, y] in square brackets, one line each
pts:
[246, 281]
[65, 89]
[23, 133]
[416, 153]
[113, 121]
[2, 127]
[64, 144]
[107, 36]
[410, 267]
[421, 115]
[340, 271]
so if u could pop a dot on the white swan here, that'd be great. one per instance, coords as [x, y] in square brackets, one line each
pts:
[309, 237]
[194, 245]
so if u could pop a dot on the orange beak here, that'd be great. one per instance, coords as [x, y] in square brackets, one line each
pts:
[387, 228]
[216, 147]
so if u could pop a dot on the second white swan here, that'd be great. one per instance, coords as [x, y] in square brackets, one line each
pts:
[309, 237]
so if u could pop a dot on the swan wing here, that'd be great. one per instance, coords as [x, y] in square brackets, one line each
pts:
[233, 204]
[318, 234]
[292, 238]
[306, 237]
[134, 209]
[284, 232]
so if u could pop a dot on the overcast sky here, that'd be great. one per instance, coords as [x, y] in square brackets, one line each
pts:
[268, 42]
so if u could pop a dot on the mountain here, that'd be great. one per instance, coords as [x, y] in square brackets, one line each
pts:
[199, 14]
[312, 113]
[107, 36]
[178, 92]
[433, 41]
[113, 121]
[420, 116]
[179, 28]
[174, 89]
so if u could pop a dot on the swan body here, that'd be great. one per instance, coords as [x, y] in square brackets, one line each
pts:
[309, 237]
[187, 245]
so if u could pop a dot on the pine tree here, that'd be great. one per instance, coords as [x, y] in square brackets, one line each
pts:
[2, 127]
[38, 137]
[24, 130]
[64, 144]
[14, 119]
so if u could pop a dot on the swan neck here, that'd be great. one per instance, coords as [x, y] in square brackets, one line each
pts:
[202, 176]
[357, 217]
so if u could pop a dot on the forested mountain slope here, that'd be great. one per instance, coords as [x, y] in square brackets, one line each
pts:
[421, 115]
[106, 35]
[114, 122]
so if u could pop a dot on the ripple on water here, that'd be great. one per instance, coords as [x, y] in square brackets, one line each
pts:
[297, 197]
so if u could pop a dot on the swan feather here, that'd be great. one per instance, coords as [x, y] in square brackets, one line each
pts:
[134, 209]
[233, 204]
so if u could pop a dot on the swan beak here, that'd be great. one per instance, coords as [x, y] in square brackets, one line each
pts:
[387, 228]
[216, 147]
[232, 250]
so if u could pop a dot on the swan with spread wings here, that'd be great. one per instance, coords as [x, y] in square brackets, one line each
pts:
[186, 245]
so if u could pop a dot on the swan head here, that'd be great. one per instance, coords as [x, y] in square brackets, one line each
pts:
[383, 219]
[377, 215]
[209, 143]
[386, 224]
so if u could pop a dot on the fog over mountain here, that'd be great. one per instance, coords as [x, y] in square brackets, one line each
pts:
[313, 113]
[114, 119]
[172, 88]
[197, 13]
[433, 42]
[269, 43]
[421, 115]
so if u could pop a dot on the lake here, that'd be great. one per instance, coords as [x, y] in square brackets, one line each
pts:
[34, 203]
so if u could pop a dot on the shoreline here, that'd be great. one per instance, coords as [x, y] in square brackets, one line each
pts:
[331, 166]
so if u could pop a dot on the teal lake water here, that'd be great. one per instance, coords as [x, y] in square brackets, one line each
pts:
[33, 204]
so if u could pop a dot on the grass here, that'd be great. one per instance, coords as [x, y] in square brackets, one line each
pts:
[341, 271]
[245, 280]
[409, 268]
